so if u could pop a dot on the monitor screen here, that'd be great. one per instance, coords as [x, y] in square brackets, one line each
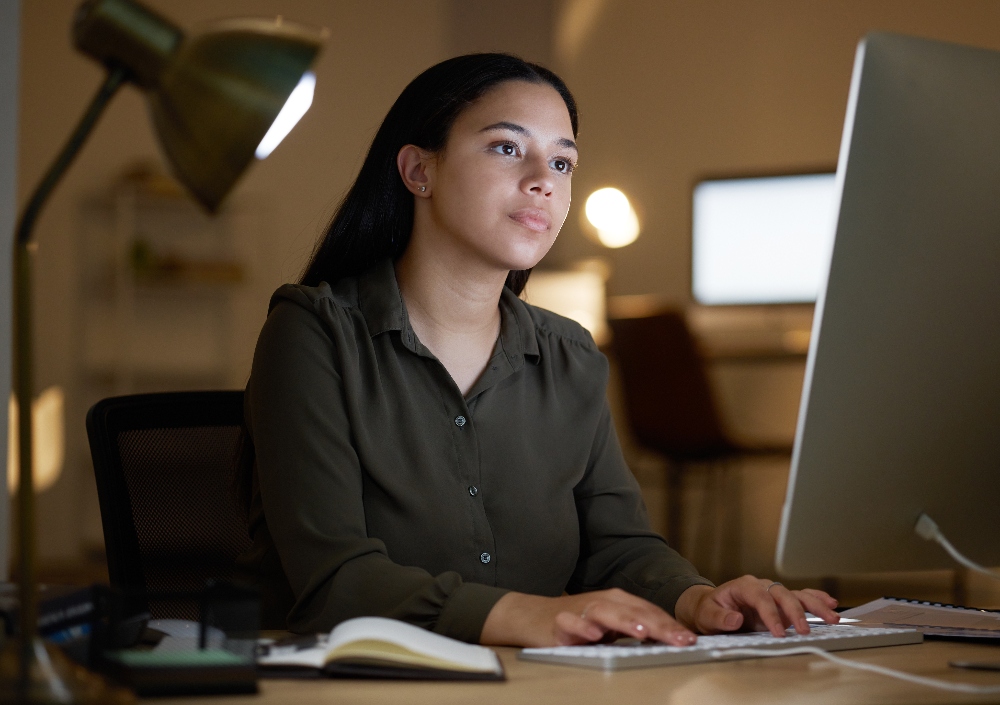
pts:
[900, 414]
[763, 240]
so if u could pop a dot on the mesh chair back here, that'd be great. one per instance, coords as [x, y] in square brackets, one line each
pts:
[168, 468]
[668, 398]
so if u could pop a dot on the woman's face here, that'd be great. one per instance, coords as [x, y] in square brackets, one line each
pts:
[501, 185]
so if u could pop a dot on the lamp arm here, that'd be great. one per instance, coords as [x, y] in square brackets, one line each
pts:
[117, 75]
[23, 362]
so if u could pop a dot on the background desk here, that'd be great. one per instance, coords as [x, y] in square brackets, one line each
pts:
[799, 679]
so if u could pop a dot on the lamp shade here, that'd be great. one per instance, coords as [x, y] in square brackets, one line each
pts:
[219, 96]
[214, 95]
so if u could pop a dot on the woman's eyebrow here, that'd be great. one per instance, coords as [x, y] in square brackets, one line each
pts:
[514, 127]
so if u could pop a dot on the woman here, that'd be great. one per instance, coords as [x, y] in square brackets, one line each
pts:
[430, 448]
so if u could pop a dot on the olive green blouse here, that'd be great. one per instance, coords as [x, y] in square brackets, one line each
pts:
[380, 490]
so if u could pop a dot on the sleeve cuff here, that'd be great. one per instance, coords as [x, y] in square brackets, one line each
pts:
[667, 596]
[465, 612]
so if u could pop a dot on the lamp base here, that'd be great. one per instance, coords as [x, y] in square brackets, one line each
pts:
[53, 678]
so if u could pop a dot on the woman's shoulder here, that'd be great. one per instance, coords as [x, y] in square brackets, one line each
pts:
[555, 328]
[317, 298]
[567, 350]
[310, 316]
[563, 338]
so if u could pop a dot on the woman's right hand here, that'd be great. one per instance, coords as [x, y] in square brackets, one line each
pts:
[518, 619]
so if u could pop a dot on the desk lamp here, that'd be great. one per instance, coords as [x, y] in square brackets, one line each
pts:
[217, 99]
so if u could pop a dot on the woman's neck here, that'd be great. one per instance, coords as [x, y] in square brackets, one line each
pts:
[453, 307]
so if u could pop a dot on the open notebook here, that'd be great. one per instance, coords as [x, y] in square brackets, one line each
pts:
[375, 647]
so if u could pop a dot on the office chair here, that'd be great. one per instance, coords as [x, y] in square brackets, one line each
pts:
[168, 469]
[671, 410]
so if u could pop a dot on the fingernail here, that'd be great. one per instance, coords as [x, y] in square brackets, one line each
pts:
[682, 638]
[732, 621]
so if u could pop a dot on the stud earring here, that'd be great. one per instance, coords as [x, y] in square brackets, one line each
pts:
[422, 189]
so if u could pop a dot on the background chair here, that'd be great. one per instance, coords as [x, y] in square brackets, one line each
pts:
[671, 409]
[169, 471]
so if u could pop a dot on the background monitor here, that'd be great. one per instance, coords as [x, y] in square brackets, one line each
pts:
[900, 411]
[762, 240]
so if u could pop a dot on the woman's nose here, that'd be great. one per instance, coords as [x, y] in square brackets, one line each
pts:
[538, 181]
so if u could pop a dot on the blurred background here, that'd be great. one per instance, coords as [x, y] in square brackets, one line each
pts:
[132, 296]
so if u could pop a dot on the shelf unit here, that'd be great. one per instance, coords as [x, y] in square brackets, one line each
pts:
[167, 298]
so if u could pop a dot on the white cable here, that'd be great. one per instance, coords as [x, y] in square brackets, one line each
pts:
[861, 666]
[927, 529]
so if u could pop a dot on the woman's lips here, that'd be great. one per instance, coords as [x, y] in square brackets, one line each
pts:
[532, 218]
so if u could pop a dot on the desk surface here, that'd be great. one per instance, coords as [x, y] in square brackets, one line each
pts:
[797, 679]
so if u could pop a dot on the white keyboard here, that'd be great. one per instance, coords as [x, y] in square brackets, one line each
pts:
[613, 657]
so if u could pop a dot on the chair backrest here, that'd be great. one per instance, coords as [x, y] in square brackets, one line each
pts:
[168, 470]
[668, 398]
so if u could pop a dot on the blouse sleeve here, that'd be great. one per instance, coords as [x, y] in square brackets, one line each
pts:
[310, 484]
[617, 546]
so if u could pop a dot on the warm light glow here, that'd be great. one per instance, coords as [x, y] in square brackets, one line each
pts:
[295, 107]
[49, 439]
[609, 211]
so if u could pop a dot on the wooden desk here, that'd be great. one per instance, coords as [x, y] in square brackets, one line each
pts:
[798, 679]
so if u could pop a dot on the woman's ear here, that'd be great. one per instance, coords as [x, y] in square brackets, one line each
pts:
[416, 169]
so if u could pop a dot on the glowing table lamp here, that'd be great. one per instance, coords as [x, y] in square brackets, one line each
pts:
[217, 100]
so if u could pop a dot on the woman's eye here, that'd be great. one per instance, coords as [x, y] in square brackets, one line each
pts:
[563, 166]
[508, 149]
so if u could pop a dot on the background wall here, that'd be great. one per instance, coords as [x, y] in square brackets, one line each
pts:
[673, 91]
[669, 91]
[10, 25]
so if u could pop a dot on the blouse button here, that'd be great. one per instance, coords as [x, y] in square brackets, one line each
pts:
[460, 421]
[473, 490]
[484, 557]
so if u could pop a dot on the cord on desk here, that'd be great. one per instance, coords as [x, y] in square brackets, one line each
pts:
[927, 529]
[861, 666]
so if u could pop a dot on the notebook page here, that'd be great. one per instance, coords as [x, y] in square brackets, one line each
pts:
[887, 610]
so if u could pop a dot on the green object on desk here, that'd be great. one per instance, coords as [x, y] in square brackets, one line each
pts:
[142, 658]
[188, 672]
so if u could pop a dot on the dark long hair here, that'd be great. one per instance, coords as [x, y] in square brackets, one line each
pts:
[375, 219]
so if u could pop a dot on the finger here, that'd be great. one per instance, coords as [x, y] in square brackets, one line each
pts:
[576, 629]
[712, 617]
[817, 606]
[755, 595]
[791, 608]
[645, 622]
[659, 625]
[826, 599]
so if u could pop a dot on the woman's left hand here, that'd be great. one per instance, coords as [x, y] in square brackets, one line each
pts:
[752, 604]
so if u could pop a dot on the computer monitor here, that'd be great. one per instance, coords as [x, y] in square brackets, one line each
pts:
[900, 412]
[762, 240]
